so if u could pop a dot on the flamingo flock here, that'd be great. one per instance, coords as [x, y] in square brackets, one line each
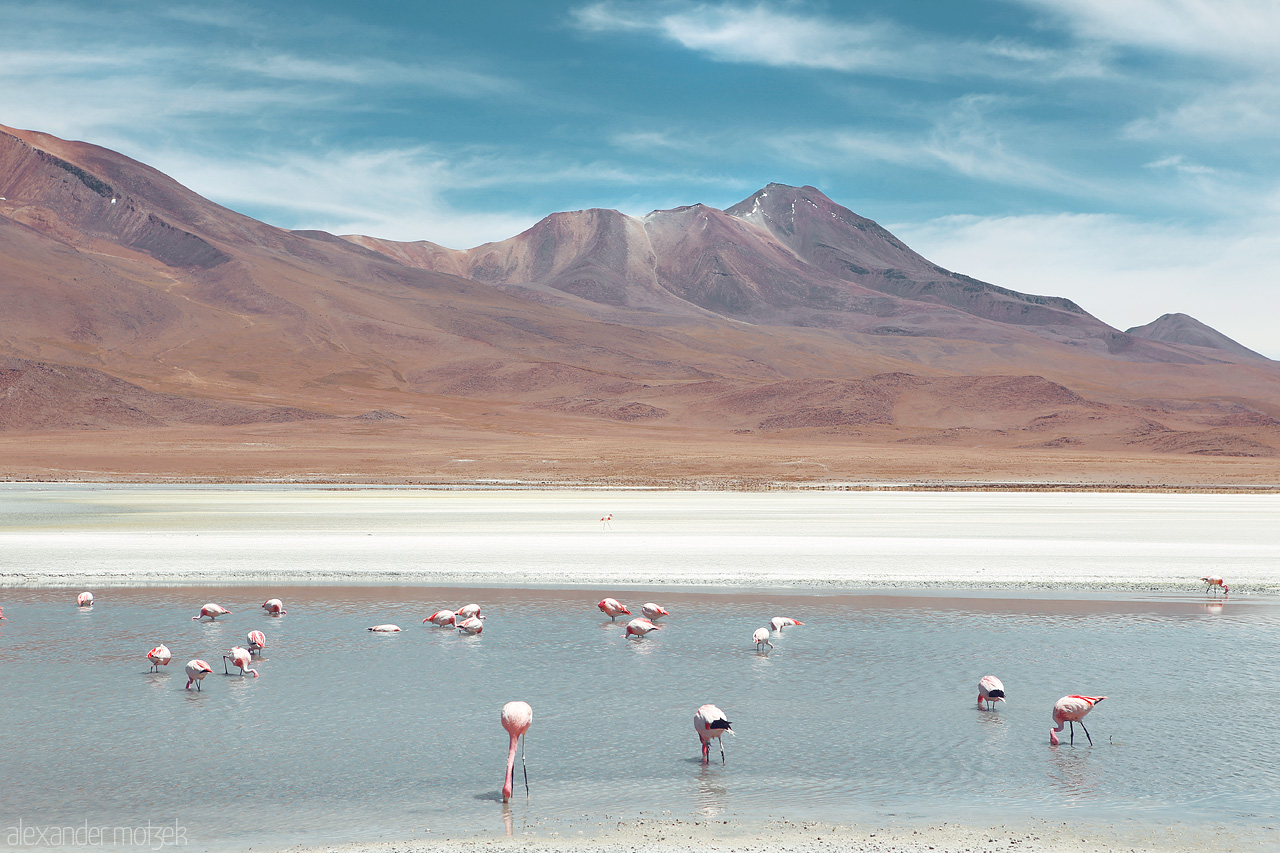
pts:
[710, 722]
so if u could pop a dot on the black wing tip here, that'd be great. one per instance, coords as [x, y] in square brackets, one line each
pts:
[720, 724]
[996, 694]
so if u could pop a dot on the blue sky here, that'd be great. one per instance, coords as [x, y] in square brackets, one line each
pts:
[1123, 153]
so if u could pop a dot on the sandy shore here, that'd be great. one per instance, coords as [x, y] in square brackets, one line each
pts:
[671, 836]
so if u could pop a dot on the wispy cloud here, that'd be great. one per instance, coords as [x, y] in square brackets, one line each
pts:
[761, 34]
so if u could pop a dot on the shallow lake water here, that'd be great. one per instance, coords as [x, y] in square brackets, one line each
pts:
[867, 712]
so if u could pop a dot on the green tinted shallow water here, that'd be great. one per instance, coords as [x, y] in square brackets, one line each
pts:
[866, 711]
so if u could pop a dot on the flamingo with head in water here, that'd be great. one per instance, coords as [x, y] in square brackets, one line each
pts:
[516, 719]
[777, 623]
[84, 599]
[441, 618]
[761, 639]
[990, 691]
[710, 722]
[640, 627]
[613, 608]
[274, 607]
[257, 641]
[653, 611]
[240, 657]
[1071, 709]
[213, 611]
[159, 656]
[196, 671]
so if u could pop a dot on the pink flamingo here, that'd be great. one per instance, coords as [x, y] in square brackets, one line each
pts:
[441, 618]
[710, 722]
[1, 614]
[780, 622]
[384, 629]
[213, 611]
[761, 639]
[241, 658]
[653, 611]
[613, 608]
[1071, 709]
[471, 626]
[605, 521]
[468, 611]
[257, 641]
[84, 599]
[159, 656]
[516, 719]
[196, 671]
[1215, 580]
[990, 691]
[640, 627]
[274, 606]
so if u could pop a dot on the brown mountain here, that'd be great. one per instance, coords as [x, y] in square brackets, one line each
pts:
[785, 324]
[1187, 331]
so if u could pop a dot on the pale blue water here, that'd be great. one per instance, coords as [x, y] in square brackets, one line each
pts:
[865, 712]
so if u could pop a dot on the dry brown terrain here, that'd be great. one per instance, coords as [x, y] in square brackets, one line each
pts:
[146, 332]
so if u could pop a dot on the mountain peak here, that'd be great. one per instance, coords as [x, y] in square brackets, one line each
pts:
[1184, 329]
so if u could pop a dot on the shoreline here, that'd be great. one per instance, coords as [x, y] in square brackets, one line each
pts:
[357, 483]
[881, 836]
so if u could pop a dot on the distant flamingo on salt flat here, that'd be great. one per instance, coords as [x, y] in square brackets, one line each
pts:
[710, 722]
[471, 626]
[777, 623]
[159, 656]
[1215, 580]
[384, 629]
[606, 521]
[441, 618]
[613, 608]
[84, 599]
[196, 671]
[239, 657]
[640, 627]
[213, 611]
[653, 611]
[761, 639]
[990, 691]
[274, 606]
[1071, 709]
[257, 641]
[517, 717]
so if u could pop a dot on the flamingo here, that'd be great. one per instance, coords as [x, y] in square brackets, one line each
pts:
[1071, 709]
[468, 611]
[1216, 580]
[653, 611]
[159, 656]
[441, 618]
[516, 719]
[1, 614]
[257, 641]
[274, 606]
[213, 611]
[780, 622]
[384, 629]
[640, 627]
[605, 521]
[710, 722]
[471, 626]
[241, 658]
[761, 639]
[196, 671]
[990, 691]
[84, 599]
[613, 608]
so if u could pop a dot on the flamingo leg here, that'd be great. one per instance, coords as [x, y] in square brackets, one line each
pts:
[524, 767]
[721, 740]
[225, 671]
[1073, 732]
[1086, 733]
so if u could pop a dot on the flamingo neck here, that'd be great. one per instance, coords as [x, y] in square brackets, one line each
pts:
[511, 766]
